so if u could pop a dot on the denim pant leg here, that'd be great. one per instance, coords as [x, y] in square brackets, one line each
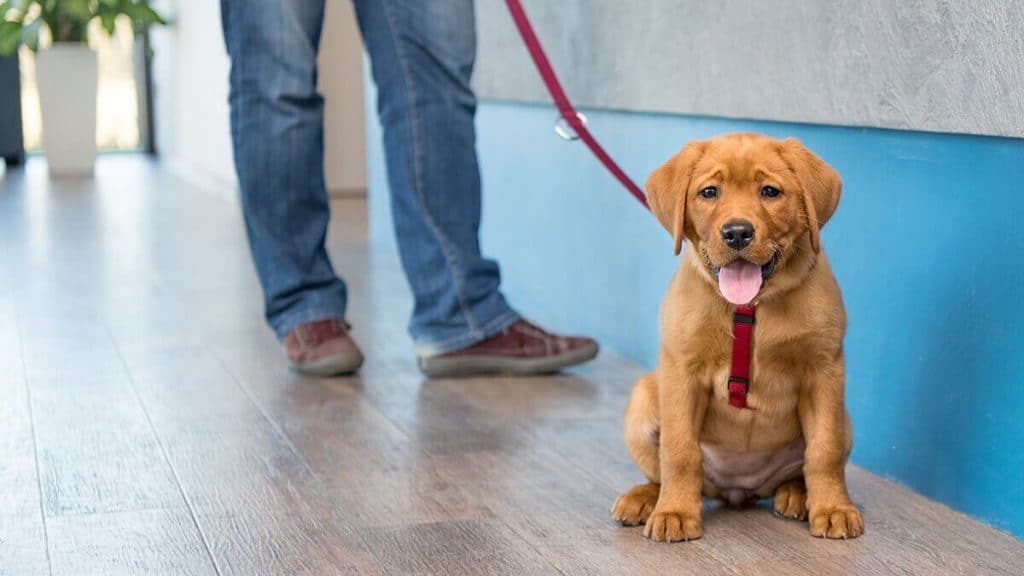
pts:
[277, 131]
[422, 57]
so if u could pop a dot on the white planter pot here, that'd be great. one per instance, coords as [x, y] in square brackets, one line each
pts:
[67, 77]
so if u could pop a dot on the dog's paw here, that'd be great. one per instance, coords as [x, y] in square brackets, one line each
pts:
[791, 500]
[673, 527]
[842, 521]
[635, 506]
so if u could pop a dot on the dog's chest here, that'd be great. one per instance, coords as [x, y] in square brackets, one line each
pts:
[750, 452]
[773, 377]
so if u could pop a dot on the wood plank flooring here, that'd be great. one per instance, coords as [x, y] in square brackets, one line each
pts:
[149, 424]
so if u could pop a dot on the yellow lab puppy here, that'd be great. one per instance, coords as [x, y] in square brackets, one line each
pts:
[751, 208]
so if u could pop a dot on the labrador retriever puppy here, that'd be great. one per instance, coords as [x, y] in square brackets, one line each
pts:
[751, 208]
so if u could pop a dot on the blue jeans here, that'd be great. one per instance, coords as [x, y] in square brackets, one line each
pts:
[422, 55]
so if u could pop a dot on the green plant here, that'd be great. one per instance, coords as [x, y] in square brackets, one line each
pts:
[67, 20]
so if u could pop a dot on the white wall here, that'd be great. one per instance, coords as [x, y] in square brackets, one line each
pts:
[190, 91]
[341, 81]
[190, 95]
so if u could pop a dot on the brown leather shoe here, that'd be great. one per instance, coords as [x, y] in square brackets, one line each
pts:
[323, 348]
[521, 349]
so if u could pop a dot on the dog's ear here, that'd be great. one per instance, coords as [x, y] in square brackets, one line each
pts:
[667, 187]
[820, 186]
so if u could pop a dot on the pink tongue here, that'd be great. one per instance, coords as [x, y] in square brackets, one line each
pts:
[740, 281]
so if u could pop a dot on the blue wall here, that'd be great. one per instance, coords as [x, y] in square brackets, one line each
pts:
[925, 244]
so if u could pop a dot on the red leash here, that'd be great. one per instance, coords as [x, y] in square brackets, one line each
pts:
[743, 319]
[565, 108]
[739, 375]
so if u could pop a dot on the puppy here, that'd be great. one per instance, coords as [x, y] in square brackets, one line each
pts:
[751, 208]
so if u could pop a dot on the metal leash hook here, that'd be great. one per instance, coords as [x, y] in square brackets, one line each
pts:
[563, 130]
[562, 103]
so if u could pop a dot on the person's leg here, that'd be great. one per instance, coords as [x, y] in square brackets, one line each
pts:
[422, 56]
[277, 131]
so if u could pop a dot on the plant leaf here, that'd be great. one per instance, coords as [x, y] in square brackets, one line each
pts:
[67, 20]
[76, 10]
[108, 18]
[143, 12]
[19, 6]
[10, 37]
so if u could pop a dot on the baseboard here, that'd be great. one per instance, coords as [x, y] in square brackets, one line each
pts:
[347, 192]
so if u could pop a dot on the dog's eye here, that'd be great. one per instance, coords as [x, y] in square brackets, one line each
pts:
[709, 192]
[770, 192]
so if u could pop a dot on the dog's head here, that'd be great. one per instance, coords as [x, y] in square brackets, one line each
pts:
[751, 207]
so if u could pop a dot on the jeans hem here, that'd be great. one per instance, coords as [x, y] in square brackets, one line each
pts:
[289, 322]
[425, 349]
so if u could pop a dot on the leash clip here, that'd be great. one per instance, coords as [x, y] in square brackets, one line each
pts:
[738, 388]
[563, 130]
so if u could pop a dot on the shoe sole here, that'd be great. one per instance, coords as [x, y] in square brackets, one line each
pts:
[461, 366]
[336, 366]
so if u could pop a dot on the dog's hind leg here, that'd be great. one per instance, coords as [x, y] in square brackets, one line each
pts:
[791, 500]
[642, 427]
[642, 436]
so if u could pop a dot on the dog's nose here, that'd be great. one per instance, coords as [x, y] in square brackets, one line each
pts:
[737, 234]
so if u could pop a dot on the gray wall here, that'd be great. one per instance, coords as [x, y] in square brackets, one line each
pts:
[933, 65]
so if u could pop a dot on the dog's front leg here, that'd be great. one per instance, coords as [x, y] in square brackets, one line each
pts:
[826, 428]
[682, 403]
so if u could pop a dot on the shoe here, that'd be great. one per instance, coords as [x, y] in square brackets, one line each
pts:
[522, 349]
[323, 348]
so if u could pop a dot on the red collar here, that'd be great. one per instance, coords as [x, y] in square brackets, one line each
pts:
[739, 376]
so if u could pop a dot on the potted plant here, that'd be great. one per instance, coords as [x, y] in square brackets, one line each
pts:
[66, 71]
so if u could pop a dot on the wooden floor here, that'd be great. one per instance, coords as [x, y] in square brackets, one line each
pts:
[149, 425]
